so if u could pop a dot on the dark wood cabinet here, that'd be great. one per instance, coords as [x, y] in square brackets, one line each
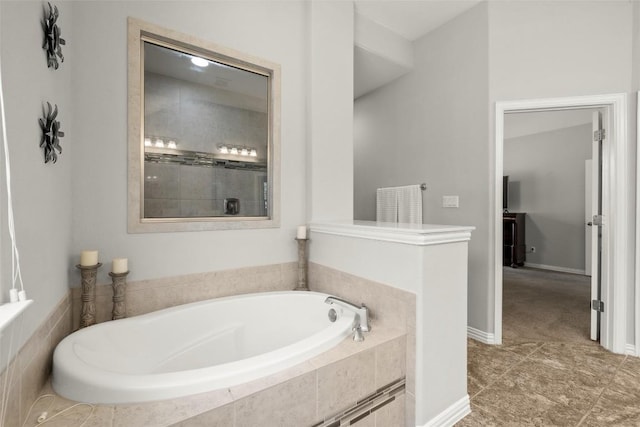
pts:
[513, 238]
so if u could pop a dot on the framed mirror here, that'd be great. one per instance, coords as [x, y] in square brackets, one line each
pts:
[204, 125]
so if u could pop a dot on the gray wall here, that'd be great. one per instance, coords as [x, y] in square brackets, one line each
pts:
[547, 182]
[41, 193]
[431, 126]
[445, 135]
[274, 31]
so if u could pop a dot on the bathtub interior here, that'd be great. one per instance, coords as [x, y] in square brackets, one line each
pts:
[196, 347]
[199, 335]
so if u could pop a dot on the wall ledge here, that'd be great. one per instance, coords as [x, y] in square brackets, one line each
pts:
[10, 311]
[410, 234]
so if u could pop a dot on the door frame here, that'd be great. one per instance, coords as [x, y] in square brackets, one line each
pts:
[616, 187]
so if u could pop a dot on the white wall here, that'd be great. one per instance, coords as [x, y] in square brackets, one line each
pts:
[330, 111]
[526, 63]
[547, 182]
[431, 126]
[276, 31]
[41, 193]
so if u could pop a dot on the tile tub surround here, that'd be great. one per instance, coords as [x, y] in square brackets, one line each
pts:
[429, 261]
[301, 395]
[388, 306]
[31, 366]
[145, 296]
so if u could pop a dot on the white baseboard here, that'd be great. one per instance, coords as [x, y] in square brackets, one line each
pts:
[555, 268]
[630, 349]
[482, 336]
[451, 415]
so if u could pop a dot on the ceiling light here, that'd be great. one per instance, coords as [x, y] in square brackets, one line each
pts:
[200, 62]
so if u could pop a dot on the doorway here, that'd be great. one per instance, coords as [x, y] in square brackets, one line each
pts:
[615, 209]
[546, 286]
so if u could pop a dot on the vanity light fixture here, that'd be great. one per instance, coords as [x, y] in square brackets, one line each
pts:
[253, 153]
[234, 150]
[159, 143]
[223, 149]
[172, 145]
[244, 152]
[200, 62]
[147, 142]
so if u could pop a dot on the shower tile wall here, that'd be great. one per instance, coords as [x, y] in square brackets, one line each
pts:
[186, 112]
[172, 190]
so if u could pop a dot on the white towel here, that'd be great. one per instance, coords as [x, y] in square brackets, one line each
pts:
[386, 205]
[410, 204]
[399, 204]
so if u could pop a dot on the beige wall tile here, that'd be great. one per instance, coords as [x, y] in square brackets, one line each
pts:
[168, 412]
[223, 416]
[392, 414]
[410, 409]
[342, 383]
[288, 404]
[390, 361]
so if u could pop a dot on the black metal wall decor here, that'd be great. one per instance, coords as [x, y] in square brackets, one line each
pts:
[51, 134]
[52, 41]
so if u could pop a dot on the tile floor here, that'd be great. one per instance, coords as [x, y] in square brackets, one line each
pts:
[549, 374]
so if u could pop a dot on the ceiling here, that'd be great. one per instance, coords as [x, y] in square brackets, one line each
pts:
[410, 20]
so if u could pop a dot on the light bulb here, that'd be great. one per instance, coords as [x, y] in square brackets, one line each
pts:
[253, 153]
[172, 144]
[234, 150]
[147, 142]
[200, 62]
[224, 149]
[244, 152]
[159, 143]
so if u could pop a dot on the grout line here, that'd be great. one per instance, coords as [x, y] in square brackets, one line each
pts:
[489, 384]
[606, 386]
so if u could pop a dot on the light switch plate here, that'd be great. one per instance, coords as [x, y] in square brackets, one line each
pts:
[450, 202]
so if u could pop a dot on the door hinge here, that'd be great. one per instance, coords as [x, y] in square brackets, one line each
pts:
[598, 220]
[599, 135]
[597, 305]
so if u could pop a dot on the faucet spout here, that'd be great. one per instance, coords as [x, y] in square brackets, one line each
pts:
[362, 312]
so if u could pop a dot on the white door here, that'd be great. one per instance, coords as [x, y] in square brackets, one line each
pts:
[588, 215]
[594, 231]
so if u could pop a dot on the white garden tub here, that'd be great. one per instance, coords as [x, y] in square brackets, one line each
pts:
[196, 347]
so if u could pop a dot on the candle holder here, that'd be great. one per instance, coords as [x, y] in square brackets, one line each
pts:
[302, 265]
[88, 312]
[119, 281]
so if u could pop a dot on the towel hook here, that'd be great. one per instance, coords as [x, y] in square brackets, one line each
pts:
[423, 186]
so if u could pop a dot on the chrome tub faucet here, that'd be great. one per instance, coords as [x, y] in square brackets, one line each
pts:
[361, 323]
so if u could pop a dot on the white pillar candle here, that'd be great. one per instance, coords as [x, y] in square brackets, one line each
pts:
[88, 258]
[302, 232]
[119, 265]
